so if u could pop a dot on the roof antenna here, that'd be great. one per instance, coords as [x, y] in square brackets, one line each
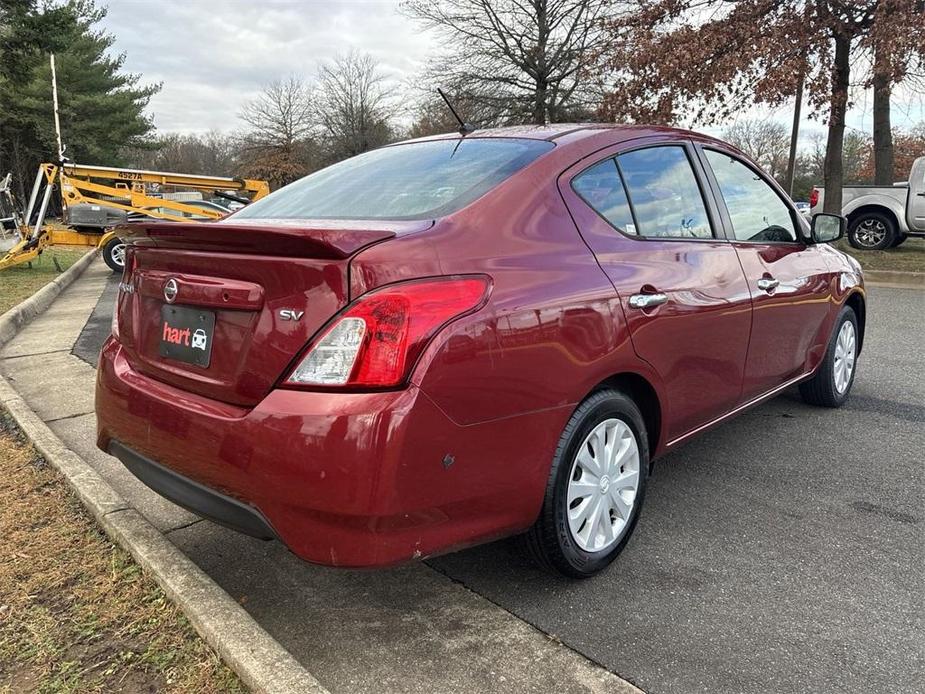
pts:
[464, 128]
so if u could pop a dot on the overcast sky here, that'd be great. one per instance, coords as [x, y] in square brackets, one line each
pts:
[212, 56]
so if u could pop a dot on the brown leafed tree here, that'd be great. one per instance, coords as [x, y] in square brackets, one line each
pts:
[522, 61]
[893, 57]
[708, 59]
[907, 147]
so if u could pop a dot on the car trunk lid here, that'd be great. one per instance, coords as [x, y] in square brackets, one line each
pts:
[222, 309]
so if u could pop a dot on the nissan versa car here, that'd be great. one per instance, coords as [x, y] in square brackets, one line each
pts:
[445, 341]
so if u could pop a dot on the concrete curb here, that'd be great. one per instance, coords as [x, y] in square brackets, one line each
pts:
[258, 659]
[895, 278]
[17, 317]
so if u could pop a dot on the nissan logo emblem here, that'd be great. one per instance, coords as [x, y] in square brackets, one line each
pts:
[170, 290]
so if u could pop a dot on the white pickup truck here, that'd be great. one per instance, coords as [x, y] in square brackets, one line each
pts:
[882, 216]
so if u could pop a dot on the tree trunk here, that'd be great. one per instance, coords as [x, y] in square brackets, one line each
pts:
[542, 86]
[539, 104]
[794, 136]
[833, 169]
[883, 135]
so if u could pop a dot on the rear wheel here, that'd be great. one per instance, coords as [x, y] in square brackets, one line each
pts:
[114, 254]
[872, 231]
[596, 487]
[832, 382]
[900, 240]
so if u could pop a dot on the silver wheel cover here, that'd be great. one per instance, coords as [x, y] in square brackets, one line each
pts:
[602, 487]
[845, 354]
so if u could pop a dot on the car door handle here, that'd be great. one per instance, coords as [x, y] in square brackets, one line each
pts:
[767, 284]
[647, 300]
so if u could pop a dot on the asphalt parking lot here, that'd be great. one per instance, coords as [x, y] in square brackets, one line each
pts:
[783, 551]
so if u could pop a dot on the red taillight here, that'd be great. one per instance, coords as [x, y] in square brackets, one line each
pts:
[814, 197]
[127, 281]
[130, 262]
[377, 340]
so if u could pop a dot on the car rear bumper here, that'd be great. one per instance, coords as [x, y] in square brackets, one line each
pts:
[343, 479]
[193, 496]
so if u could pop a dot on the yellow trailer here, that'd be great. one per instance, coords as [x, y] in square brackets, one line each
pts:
[105, 189]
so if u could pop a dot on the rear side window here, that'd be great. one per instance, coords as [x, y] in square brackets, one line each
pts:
[601, 187]
[664, 193]
[418, 180]
[660, 198]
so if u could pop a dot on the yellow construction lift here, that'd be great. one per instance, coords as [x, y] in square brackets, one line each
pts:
[95, 199]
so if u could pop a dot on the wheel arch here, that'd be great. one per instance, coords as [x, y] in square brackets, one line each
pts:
[875, 208]
[857, 303]
[106, 238]
[646, 398]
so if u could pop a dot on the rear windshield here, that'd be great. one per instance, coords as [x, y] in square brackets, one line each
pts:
[418, 180]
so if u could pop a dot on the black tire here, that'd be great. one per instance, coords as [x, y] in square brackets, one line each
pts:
[550, 541]
[111, 255]
[872, 231]
[900, 239]
[821, 390]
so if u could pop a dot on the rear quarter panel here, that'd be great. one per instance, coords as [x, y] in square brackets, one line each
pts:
[553, 327]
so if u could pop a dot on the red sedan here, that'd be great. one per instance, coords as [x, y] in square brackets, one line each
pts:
[449, 340]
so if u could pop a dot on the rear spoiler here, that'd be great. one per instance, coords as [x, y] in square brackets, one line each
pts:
[326, 241]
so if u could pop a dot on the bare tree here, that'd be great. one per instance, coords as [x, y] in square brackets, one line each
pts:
[282, 114]
[526, 60]
[278, 144]
[213, 154]
[353, 108]
[856, 153]
[431, 116]
[765, 141]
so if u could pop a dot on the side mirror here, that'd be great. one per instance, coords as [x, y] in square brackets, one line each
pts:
[827, 227]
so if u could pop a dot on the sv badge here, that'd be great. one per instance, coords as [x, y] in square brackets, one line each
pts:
[291, 314]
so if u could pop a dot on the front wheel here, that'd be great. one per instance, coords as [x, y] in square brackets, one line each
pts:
[900, 240]
[871, 231]
[596, 487]
[830, 386]
[114, 254]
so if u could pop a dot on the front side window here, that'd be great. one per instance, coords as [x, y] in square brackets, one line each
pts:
[418, 180]
[664, 193]
[601, 187]
[757, 212]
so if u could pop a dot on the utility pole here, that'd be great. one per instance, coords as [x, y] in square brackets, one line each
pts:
[794, 136]
[54, 96]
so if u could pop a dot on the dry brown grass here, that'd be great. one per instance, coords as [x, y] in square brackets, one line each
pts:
[76, 613]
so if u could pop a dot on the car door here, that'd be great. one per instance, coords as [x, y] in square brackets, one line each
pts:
[685, 300]
[788, 279]
[915, 202]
